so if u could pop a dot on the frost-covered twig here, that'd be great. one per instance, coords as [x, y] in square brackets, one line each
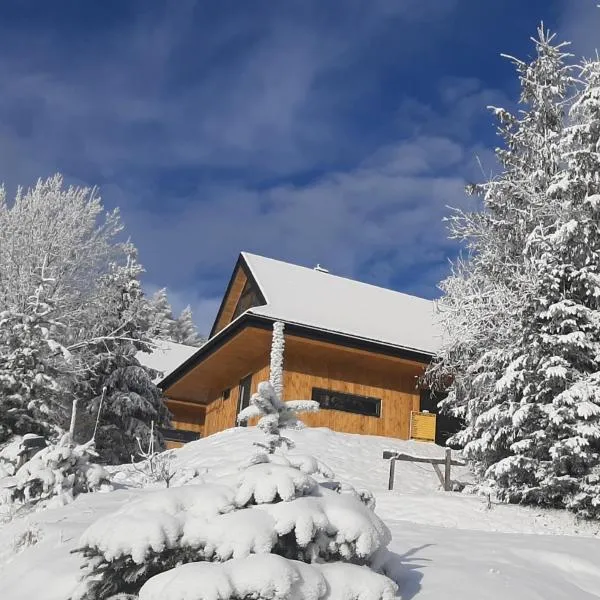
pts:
[155, 466]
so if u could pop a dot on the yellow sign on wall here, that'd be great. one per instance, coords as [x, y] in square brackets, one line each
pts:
[422, 426]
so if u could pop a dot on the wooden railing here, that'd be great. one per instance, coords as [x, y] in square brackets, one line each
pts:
[447, 461]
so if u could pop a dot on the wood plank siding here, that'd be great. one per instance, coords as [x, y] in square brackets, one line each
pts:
[222, 413]
[310, 364]
[186, 416]
[230, 302]
[245, 353]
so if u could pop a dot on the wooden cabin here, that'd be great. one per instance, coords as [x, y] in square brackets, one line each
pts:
[357, 349]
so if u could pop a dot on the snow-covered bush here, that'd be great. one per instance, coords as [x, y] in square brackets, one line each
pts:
[19, 451]
[56, 474]
[263, 532]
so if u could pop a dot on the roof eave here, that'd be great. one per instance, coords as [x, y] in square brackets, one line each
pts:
[250, 319]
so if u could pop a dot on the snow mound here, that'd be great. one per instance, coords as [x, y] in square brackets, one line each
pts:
[268, 577]
[443, 543]
[350, 582]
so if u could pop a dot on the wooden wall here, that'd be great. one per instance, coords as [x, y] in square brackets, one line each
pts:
[230, 302]
[308, 364]
[312, 364]
[186, 416]
[221, 414]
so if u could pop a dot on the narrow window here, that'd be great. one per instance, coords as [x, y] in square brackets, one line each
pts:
[179, 435]
[244, 394]
[352, 403]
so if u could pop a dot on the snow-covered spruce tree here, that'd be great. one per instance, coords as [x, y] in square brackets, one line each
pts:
[554, 373]
[184, 330]
[270, 531]
[485, 297]
[121, 393]
[33, 367]
[161, 316]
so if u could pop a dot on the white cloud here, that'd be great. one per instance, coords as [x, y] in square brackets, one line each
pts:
[375, 216]
[143, 105]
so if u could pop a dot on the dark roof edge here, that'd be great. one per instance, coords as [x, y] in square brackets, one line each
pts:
[242, 264]
[296, 329]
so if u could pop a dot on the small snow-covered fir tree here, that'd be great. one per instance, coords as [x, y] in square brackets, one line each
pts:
[275, 415]
[485, 299]
[161, 316]
[184, 330]
[272, 530]
[267, 403]
[124, 399]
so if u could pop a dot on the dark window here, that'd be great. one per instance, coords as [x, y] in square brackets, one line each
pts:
[244, 394]
[361, 405]
[446, 425]
[248, 299]
[179, 435]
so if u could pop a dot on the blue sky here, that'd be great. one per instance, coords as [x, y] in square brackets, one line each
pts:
[333, 132]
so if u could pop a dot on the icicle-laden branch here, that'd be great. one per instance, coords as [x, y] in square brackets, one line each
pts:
[277, 349]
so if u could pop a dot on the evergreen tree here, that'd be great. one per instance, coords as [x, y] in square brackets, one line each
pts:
[161, 316]
[184, 330]
[486, 296]
[554, 373]
[122, 391]
[33, 397]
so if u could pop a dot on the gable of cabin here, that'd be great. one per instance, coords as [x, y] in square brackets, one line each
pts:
[242, 293]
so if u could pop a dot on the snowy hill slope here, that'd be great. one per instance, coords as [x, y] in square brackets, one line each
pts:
[449, 544]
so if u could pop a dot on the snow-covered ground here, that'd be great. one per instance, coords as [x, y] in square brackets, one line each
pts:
[451, 545]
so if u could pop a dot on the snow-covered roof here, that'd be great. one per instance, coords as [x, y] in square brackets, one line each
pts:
[165, 357]
[328, 302]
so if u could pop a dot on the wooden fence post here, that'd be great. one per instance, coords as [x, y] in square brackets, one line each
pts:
[392, 473]
[447, 480]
